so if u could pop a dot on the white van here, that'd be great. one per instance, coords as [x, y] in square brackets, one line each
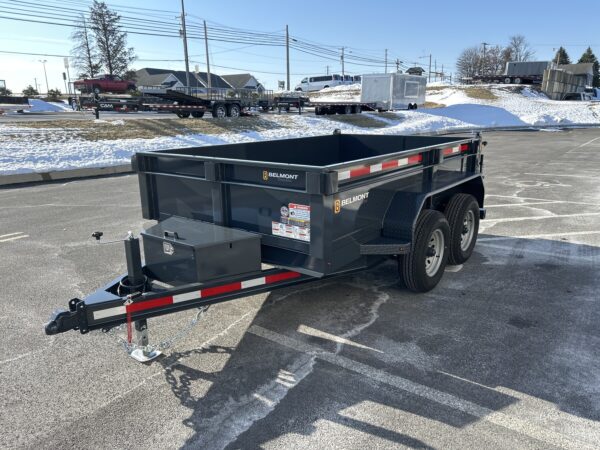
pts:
[317, 83]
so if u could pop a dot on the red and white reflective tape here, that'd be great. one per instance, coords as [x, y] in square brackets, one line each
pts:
[374, 168]
[455, 150]
[195, 295]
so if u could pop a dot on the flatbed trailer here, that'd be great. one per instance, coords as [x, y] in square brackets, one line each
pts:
[508, 79]
[330, 108]
[219, 102]
[309, 208]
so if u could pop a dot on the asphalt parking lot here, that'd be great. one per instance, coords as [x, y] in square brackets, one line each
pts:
[502, 354]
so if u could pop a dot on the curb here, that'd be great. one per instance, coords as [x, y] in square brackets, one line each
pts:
[43, 177]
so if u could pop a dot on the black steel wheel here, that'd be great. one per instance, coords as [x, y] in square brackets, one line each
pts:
[219, 111]
[423, 267]
[234, 110]
[183, 114]
[348, 109]
[462, 213]
[197, 114]
[357, 109]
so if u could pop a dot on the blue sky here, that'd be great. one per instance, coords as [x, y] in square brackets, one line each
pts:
[409, 30]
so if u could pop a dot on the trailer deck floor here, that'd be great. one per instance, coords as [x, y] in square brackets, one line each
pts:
[503, 354]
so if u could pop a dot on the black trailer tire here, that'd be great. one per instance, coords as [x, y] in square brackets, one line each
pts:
[219, 111]
[183, 114]
[357, 109]
[197, 114]
[423, 267]
[234, 110]
[507, 80]
[518, 80]
[319, 111]
[462, 213]
[415, 106]
[348, 109]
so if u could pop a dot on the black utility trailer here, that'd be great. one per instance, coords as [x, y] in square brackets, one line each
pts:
[309, 208]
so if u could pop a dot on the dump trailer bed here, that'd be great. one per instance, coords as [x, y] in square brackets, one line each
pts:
[309, 208]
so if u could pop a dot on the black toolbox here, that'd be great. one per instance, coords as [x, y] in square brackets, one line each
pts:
[179, 250]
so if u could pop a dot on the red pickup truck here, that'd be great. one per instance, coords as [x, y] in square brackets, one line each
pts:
[105, 83]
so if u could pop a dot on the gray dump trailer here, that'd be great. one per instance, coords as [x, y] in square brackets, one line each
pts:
[310, 208]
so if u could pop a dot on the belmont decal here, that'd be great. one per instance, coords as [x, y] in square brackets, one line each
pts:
[280, 176]
[340, 203]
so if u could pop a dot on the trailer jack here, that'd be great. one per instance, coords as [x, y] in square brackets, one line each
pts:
[142, 351]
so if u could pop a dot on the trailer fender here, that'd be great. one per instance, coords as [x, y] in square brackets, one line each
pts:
[405, 207]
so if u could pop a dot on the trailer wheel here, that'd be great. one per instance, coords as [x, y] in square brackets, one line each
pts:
[462, 213]
[183, 114]
[319, 111]
[357, 109]
[507, 80]
[348, 109]
[233, 110]
[423, 267]
[517, 80]
[219, 111]
[197, 114]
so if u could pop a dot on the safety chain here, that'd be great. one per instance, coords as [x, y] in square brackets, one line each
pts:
[167, 343]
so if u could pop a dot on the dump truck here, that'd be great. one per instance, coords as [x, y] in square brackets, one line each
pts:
[242, 219]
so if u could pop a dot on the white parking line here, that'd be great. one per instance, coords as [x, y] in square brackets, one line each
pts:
[10, 234]
[540, 199]
[443, 398]
[537, 236]
[13, 238]
[556, 216]
[561, 175]
[527, 250]
[583, 145]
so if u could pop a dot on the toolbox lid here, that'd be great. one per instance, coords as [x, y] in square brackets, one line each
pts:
[195, 233]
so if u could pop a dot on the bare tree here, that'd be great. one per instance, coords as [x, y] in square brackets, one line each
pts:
[520, 48]
[494, 63]
[468, 62]
[111, 40]
[84, 53]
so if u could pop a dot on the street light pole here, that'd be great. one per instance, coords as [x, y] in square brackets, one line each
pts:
[485, 44]
[44, 61]
[287, 56]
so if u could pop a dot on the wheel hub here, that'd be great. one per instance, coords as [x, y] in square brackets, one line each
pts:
[468, 230]
[434, 253]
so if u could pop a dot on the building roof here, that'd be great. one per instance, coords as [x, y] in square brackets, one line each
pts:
[238, 80]
[578, 69]
[150, 76]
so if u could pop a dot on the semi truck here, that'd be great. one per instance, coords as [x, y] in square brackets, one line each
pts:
[242, 219]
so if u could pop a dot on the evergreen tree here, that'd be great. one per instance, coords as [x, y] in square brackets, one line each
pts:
[85, 52]
[589, 57]
[562, 57]
[5, 91]
[111, 41]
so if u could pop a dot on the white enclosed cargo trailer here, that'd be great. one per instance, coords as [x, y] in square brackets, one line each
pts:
[393, 90]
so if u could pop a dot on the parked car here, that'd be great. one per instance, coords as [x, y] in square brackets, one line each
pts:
[578, 96]
[311, 84]
[104, 83]
[593, 92]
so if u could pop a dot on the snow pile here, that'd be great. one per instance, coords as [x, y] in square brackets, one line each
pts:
[26, 149]
[38, 105]
[342, 93]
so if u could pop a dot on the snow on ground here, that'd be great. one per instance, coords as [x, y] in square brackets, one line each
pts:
[25, 149]
[38, 105]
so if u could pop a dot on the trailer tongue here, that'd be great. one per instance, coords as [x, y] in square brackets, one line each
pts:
[309, 208]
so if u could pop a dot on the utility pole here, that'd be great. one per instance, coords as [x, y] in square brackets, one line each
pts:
[287, 55]
[43, 61]
[36, 84]
[342, 59]
[185, 49]
[397, 65]
[66, 61]
[429, 79]
[208, 77]
[386, 60]
[442, 75]
[327, 70]
[485, 44]
[435, 69]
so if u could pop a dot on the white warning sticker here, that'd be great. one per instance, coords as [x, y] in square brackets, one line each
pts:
[290, 231]
[294, 222]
